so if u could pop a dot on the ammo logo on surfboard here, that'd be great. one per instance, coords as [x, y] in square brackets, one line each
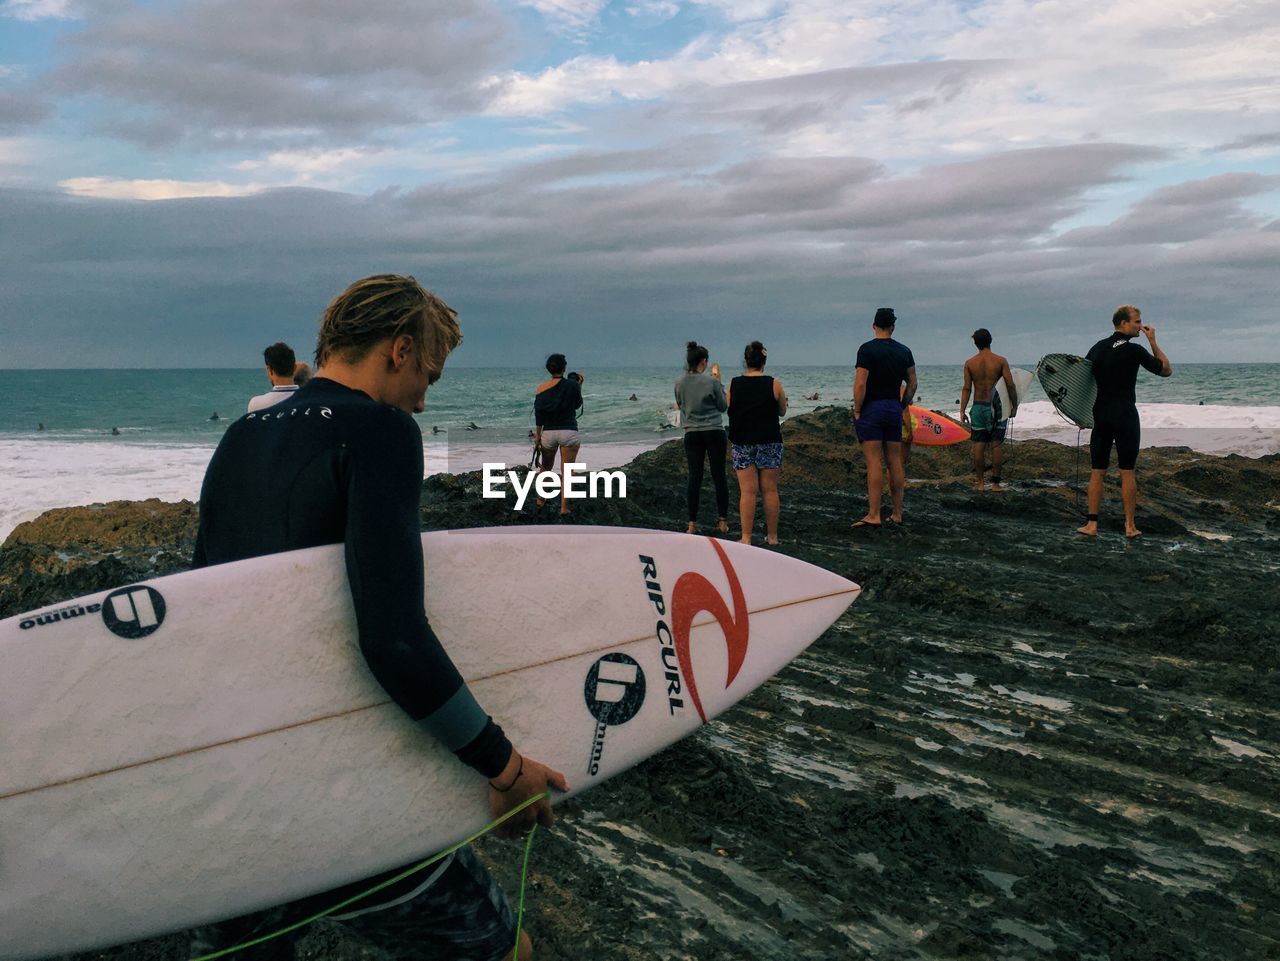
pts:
[614, 692]
[133, 612]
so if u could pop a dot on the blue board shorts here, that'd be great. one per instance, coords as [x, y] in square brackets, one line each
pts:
[763, 456]
[985, 419]
[881, 420]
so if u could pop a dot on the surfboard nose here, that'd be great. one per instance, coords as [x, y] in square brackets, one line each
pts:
[750, 618]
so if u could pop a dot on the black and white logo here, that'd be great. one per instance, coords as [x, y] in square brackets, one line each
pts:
[614, 692]
[614, 689]
[133, 612]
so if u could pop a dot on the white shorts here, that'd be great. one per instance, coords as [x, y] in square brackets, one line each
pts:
[551, 439]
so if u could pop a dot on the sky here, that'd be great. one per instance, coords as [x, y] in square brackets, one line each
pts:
[185, 181]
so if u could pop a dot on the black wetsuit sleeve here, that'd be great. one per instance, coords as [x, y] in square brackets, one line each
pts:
[1147, 359]
[385, 567]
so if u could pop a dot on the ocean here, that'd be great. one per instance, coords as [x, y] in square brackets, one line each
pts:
[167, 434]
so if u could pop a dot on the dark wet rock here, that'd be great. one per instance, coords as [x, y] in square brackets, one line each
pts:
[1016, 744]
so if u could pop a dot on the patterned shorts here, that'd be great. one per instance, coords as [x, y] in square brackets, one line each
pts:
[461, 915]
[763, 456]
[987, 421]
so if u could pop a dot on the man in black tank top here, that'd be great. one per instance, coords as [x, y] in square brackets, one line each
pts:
[1115, 361]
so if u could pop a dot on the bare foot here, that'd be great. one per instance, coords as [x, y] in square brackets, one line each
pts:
[772, 543]
[692, 528]
[1089, 530]
[998, 488]
[896, 518]
[722, 526]
[745, 540]
[541, 502]
[1132, 532]
[979, 487]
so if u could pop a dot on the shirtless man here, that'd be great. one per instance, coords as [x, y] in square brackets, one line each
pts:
[988, 422]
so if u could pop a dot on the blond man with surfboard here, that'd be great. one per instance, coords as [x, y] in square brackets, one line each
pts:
[341, 461]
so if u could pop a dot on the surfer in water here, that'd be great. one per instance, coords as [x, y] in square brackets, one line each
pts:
[1115, 361]
[347, 467]
[988, 421]
[884, 383]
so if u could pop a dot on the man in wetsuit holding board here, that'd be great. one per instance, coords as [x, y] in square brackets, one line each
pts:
[1115, 361]
[340, 461]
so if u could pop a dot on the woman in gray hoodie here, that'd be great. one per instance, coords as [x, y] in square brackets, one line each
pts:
[702, 404]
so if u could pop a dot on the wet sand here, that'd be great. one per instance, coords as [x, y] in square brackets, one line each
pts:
[1017, 744]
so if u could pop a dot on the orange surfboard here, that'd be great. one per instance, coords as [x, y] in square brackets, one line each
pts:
[932, 429]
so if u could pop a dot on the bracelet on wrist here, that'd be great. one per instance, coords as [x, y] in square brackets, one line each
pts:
[519, 772]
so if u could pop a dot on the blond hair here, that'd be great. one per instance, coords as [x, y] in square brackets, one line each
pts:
[384, 306]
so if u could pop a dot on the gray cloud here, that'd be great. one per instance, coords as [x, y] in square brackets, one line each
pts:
[1251, 142]
[283, 72]
[1183, 212]
[781, 104]
[625, 269]
[19, 111]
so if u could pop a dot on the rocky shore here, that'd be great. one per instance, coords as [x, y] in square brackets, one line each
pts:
[1017, 744]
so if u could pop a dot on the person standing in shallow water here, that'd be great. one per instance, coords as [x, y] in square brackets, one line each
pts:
[702, 402]
[988, 421]
[1115, 361]
[756, 403]
[884, 366]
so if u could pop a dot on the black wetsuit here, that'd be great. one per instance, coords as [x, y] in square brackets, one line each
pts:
[330, 465]
[1115, 361]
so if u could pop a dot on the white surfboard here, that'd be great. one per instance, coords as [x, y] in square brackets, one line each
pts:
[211, 743]
[1022, 380]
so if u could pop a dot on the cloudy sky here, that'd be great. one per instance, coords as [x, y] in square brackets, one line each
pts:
[182, 181]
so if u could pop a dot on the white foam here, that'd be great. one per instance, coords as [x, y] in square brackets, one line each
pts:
[1208, 428]
[40, 475]
[43, 475]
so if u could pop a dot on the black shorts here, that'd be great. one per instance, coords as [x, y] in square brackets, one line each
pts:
[1119, 427]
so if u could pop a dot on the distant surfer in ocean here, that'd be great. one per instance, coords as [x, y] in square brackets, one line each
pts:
[884, 383]
[1115, 362]
[281, 365]
[987, 421]
[702, 406]
[348, 469]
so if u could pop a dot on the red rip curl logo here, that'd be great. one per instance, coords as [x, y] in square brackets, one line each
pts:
[692, 595]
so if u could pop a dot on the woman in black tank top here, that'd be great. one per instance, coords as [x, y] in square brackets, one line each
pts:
[756, 405]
